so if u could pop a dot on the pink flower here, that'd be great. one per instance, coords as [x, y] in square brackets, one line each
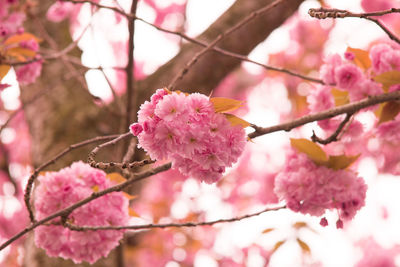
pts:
[58, 190]
[28, 73]
[347, 76]
[323, 222]
[136, 129]
[59, 11]
[173, 107]
[384, 58]
[186, 130]
[327, 70]
[312, 189]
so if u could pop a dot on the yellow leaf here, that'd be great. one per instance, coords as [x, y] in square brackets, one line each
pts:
[312, 150]
[268, 230]
[15, 39]
[235, 121]
[299, 225]
[278, 245]
[361, 59]
[133, 213]
[389, 111]
[95, 188]
[304, 247]
[19, 52]
[341, 162]
[222, 104]
[388, 79]
[341, 97]
[116, 177]
[378, 111]
[128, 196]
[4, 70]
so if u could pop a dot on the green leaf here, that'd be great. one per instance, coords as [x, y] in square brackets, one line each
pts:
[303, 245]
[341, 162]
[4, 70]
[341, 97]
[235, 121]
[268, 230]
[388, 79]
[389, 111]
[361, 59]
[312, 150]
[222, 104]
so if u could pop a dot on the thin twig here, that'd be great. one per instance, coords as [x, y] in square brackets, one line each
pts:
[348, 108]
[168, 225]
[122, 165]
[323, 13]
[334, 136]
[35, 173]
[131, 93]
[237, 26]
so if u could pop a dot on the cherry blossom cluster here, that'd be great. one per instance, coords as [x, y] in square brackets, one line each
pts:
[312, 189]
[186, 129]
[58, 190]
[16, 45]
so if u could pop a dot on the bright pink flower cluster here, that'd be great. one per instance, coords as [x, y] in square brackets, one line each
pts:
[58, 190]
[11, 20]
[346, 75]
[186, 130]
[309, 188]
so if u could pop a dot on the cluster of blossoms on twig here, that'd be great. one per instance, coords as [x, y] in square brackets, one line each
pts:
[17, 47]
[187, 130]
[58, 190]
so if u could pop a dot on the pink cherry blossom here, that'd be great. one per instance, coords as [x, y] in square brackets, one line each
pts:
[186, 130]
[312, 189]
[347, 76]
[328, 70]
[58, 190]
[384, 58]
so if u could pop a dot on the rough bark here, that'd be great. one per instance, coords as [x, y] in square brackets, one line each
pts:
[66, 113]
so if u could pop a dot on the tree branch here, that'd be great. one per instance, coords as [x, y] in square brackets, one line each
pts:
[334, 136]
[323, 13]
[348, 108]
[169, 225]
